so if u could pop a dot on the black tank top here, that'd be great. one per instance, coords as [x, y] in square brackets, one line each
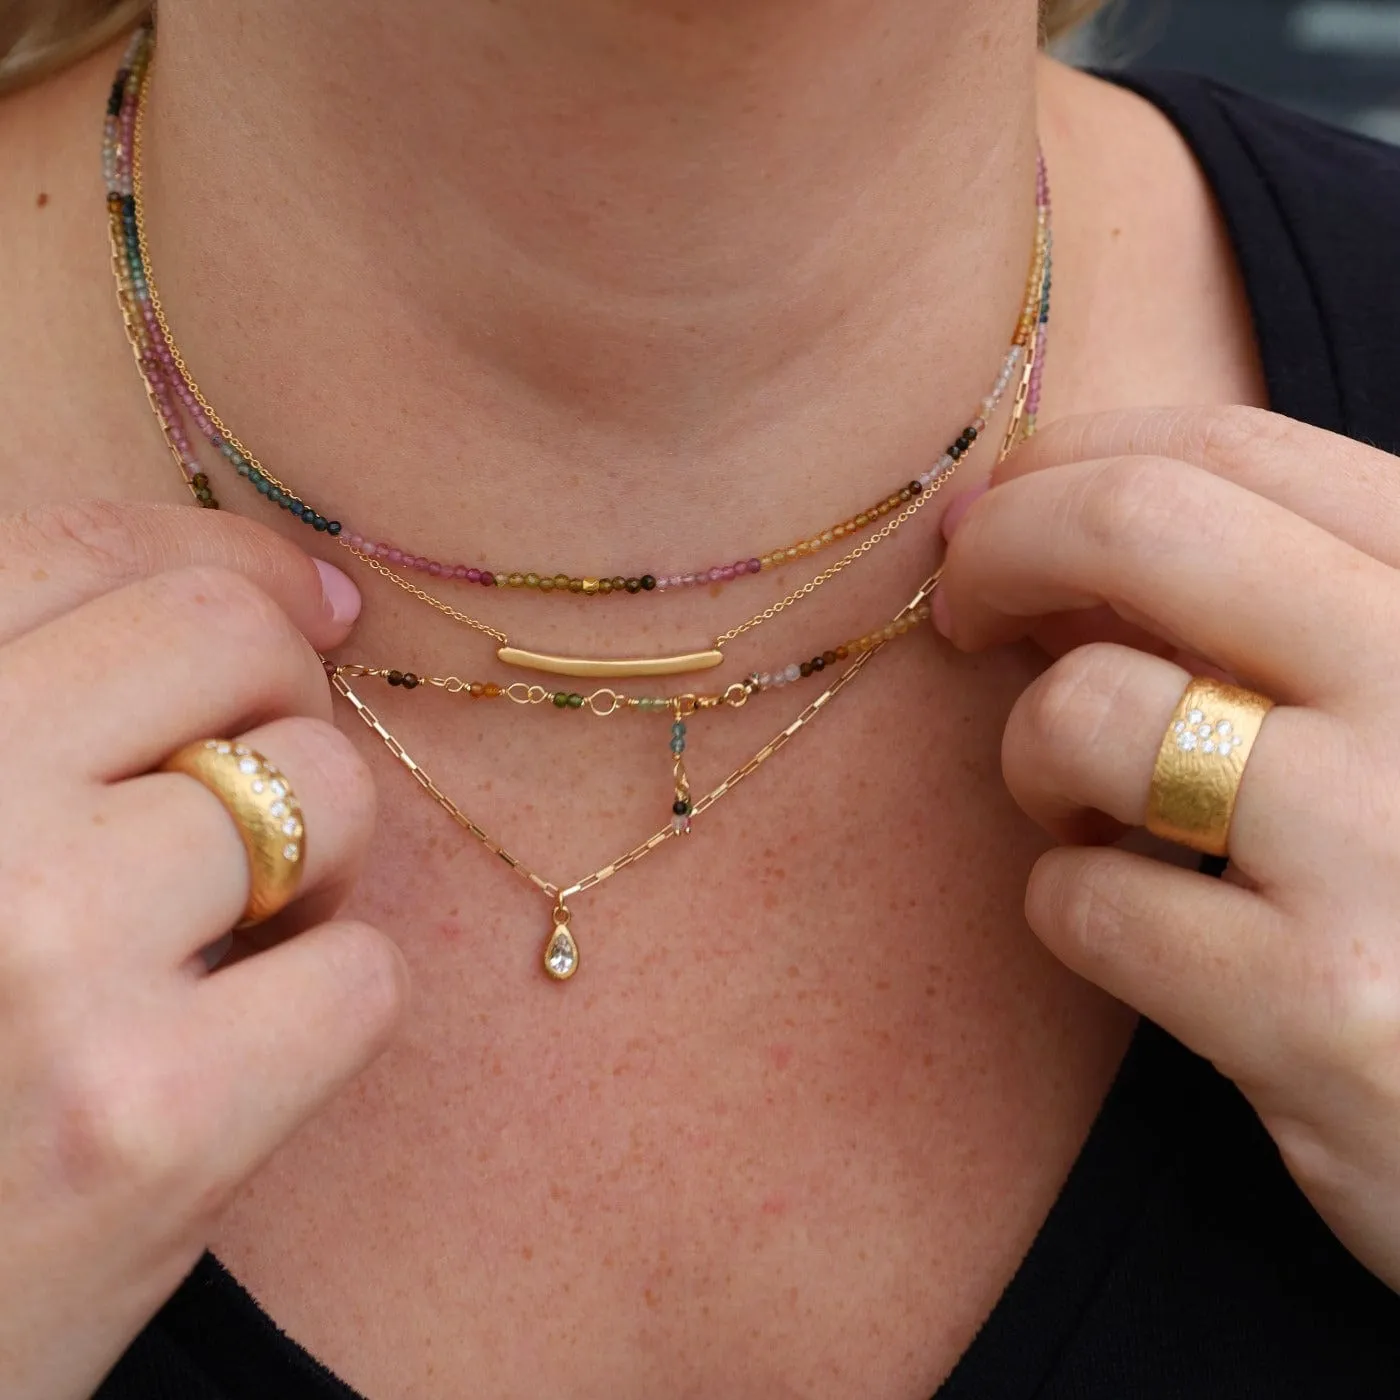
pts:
[1180, 1262]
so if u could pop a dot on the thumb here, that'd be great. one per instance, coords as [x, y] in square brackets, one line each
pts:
[69, 554]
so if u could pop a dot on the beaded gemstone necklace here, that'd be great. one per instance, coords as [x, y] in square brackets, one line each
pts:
[174, 396]
[177, 400]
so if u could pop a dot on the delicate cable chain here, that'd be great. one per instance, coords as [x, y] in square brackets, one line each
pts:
[1013, 432]
[444, 607]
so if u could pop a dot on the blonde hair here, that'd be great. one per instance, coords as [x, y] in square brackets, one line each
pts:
[38, 37]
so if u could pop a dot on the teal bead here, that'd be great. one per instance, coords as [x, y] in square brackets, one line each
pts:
[677, 746]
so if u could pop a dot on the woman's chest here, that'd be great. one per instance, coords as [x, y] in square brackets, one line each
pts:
[787, 1131]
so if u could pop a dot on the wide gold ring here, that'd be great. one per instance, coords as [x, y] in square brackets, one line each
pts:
[264, 809]
[1201, 763]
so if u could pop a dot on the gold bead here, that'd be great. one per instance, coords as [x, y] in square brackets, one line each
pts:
[590, 585]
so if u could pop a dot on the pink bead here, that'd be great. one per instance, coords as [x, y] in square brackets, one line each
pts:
[396, 556]
[726, 574]
[715, 575]
[435, 569]
[356, 541]
[473, 575]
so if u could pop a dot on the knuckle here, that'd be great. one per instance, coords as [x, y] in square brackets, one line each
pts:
[1080, 913]
[1358, 1034]
[229, 606]
[112, 1129]
[1233, 434]
[99, 535]
[370, 977]
[1134, 502]
[323, 752]
[1073, 698]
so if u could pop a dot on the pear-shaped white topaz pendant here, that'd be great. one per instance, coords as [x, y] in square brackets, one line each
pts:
[561, 952]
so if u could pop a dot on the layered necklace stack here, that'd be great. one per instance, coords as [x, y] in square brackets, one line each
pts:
[186, 418]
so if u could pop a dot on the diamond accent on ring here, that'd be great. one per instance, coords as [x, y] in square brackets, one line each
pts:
[278, 788]
[1214, 737]
[248, 765]
[291, 851]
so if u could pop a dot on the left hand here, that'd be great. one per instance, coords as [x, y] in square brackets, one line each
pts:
[1270, 550]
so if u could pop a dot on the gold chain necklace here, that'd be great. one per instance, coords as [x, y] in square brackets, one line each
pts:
[561, 952]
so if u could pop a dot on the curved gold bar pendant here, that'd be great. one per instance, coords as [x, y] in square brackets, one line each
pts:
[631, 666]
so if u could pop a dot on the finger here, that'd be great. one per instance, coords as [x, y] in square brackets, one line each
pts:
[1081, 745]
[1198, 561]
[175, 853]
[183, 655]
[1197, 955]
[277, 1035]
[59, 557]
[1347, 488]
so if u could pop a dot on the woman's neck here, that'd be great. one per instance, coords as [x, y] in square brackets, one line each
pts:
[622, 233]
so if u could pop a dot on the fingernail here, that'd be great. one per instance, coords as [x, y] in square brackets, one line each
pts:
[953, 516]
[942, 616]
[341, 595]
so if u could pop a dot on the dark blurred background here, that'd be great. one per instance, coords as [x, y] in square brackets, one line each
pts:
[1337, 59]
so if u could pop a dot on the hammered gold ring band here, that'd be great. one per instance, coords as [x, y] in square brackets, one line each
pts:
[1201, 762]
[264, 809]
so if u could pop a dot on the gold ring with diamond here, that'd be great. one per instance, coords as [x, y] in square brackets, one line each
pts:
[1200, 764]
[265, 811]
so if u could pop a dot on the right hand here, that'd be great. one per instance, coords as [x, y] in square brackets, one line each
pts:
[137, 1092]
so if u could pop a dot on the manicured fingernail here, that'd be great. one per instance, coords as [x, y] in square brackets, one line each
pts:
[942, 616]
[953, 516]
[340, 593]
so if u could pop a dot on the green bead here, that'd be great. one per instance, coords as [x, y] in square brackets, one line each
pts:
[560, 699]
[575, 701]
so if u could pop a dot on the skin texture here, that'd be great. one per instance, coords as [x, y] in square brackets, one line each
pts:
[614, 281]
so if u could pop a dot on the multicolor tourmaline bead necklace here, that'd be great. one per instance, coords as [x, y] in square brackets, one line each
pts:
[178, 401]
